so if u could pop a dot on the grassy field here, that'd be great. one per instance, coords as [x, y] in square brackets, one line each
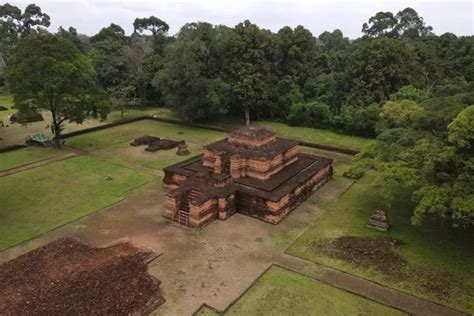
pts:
[282, 292]
[25, 156]
[41, 199]
[114, 144]
[439, 261]
[318, 136]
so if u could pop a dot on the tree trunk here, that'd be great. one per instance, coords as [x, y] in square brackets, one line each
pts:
[56, 129]
[247, 117]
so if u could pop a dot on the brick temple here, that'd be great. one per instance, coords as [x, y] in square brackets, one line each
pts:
[251, 172]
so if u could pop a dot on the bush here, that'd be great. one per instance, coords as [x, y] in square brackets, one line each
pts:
[357, 120]
[311, 114]
[410, 93]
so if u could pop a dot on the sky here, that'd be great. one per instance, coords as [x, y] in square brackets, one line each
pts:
[89, 16]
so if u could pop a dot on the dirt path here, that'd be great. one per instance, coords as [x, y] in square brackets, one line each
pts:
[216, 264]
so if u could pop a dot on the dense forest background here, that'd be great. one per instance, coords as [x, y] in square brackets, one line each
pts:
[411, 89]
[207, 72]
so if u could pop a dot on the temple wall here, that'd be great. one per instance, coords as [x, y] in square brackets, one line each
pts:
[261, 170]
[173, 181]
[275, 211]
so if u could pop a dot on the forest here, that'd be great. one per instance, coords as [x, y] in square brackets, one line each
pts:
[400, 83]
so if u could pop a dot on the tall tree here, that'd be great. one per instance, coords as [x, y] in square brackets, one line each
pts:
[190, 78]
[251, 60]
[381, 24]
[152, 24]
[410, 25]
[48, 72]
[377, 68]
[14, 24]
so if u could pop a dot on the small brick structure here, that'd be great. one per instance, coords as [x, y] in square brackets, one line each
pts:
[378, 220]
[145, 140]
[183, 150]
[156, 143]
[251, 172]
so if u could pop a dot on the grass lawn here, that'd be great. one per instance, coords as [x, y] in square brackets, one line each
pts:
[25, 156]
[41, 199]
[439, 261]
[114, 144]
[282, 292]
[318, 136]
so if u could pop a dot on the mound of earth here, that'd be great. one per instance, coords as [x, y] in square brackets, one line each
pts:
[68, 277]
[370, 252]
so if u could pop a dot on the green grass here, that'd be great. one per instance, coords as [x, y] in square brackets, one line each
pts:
[127, 132]
[25, 156]
[318, 136]
[282, 292]
[38, 200]
[114, 144]
[435, 255]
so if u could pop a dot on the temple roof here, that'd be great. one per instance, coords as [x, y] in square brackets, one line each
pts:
[264, 152]
[252, 132]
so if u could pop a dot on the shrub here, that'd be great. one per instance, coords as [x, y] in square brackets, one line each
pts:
[357, 120]
[311, 114]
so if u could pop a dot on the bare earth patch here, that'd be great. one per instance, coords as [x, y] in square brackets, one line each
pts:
[369, 252]
[68, 277]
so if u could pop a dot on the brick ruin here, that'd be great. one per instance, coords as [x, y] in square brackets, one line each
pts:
[251, 172]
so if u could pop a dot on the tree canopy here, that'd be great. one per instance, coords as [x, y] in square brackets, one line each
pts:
[48, 72]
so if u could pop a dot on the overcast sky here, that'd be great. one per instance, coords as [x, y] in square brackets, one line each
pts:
[89, 16]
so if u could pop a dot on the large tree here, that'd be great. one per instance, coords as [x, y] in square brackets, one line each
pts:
[251, 52]
[190, 77]
[48, 72]
[14, 24]
[377, 68]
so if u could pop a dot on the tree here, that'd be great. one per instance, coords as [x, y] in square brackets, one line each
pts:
[312, 114]
[15, 24]
[405, 113]
[461, 129]
[410, 93]
[407, 25]
[153, 24]
[410, 25]
[108, 56]
[297, 53]
[251, 60]
[377, 68]
[190, 77]
[48, 72]
[381, 24]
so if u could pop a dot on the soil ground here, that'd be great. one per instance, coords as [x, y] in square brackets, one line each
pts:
[69, 277]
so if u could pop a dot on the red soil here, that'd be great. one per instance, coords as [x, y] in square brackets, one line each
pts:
[69, 277]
